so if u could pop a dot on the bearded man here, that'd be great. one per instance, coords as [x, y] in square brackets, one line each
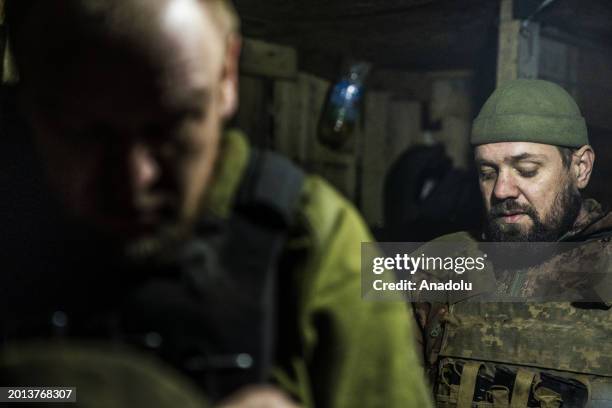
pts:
[533, 157]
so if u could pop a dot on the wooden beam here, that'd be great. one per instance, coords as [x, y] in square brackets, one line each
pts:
[270, 60]
[519, 46]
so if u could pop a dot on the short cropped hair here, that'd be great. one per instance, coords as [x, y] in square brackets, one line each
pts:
[566, 155]
[16, 11]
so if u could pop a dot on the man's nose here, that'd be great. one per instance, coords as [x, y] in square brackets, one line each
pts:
[505, 186]
[142, 166]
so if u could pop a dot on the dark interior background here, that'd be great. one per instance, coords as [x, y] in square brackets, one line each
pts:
[434, 64]
[407, 165]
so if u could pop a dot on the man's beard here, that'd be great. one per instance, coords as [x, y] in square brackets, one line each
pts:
[563, 214]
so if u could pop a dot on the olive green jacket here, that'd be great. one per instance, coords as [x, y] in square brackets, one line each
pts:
[350, 353]
[338, 351]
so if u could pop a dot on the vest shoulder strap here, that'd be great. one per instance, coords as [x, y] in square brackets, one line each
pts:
[271, 186]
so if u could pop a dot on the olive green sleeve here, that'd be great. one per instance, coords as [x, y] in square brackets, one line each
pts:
[356, 353]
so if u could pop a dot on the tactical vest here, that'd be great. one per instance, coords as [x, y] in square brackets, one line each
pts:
[519, 355]
[214, 315]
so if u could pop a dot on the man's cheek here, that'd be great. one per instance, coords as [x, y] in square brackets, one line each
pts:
[193, 185]
[486, 198]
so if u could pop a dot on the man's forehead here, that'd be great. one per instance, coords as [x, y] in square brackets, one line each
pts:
[174, 58]
[514, 151]
[172, 31]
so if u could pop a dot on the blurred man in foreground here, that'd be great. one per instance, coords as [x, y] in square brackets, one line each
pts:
[533, 158]
[179, 238]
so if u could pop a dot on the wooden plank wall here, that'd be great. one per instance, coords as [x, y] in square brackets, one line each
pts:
[298, 107]
[288, 105]
[585, 71]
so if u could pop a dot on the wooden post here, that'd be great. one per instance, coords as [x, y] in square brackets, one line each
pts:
[519, 46]
[9, 72]
[374, 156]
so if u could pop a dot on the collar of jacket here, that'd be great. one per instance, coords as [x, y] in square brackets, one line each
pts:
[229, 169]
[594, 222]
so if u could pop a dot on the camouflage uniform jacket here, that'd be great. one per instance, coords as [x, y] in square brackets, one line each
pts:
[517, 355]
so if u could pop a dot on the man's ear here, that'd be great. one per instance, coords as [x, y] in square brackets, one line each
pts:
[229, 76]
[582, 165]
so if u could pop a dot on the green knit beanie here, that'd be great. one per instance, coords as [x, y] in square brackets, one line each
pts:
[530, 110]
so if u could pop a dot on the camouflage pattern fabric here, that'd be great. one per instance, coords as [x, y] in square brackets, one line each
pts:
[519, 355]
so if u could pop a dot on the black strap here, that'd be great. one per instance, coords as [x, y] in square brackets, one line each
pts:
[600, 235]
[273, 184]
